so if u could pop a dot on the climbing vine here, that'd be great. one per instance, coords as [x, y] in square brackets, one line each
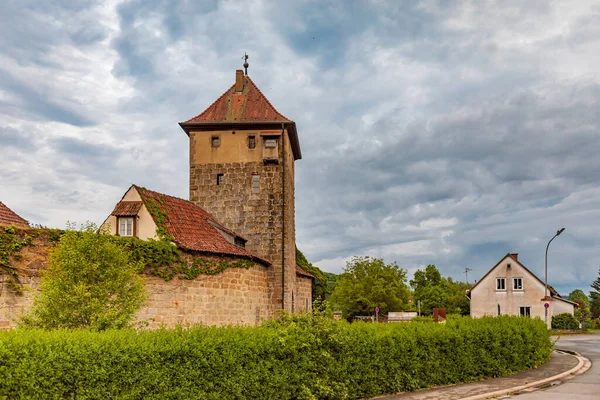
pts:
[198, 266]
[163, 259]
[159, 258]
[11, 242]
[156, 209]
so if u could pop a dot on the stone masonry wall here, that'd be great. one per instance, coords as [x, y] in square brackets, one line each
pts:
[257, 217]
[235, 296]
[303, 296]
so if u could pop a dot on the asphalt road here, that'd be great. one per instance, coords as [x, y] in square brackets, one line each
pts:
[582, 387]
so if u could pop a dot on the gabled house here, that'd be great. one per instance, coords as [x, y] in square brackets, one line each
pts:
[509, 288]
[8, 217]
[191, 228]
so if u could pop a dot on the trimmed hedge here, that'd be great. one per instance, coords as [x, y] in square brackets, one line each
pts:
[298, 357]
[564, 321]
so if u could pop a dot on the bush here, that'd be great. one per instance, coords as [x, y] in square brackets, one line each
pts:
[90, 282]
[564, 321]
[295, 357]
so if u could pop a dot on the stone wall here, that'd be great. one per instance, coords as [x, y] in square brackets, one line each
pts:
[29, 262]
[303, 294]
[234, 296]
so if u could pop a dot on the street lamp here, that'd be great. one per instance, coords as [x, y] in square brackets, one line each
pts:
[546, 296]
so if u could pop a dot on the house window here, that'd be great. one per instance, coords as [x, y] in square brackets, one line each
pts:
[255, 184]
[500, 283]
[251, 142]
[525, 311]
[125, 226]
[215, 141]
[219, 179]
[517, 283]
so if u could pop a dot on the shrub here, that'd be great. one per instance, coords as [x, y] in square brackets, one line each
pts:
[90, 282]
[564, 321]
[295, 357]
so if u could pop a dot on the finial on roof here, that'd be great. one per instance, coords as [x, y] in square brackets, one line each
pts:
[245, 58]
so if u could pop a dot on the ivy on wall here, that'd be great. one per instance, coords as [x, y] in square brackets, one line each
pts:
[163, 259]
[11, 242]
[159, 258]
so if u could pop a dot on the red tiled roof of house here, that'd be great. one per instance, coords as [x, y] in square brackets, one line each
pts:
[9, 217]
[127, 208]
[302, 272]
[250, 105]
[192, 227]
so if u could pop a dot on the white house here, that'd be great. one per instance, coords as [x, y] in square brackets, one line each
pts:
[509, 288]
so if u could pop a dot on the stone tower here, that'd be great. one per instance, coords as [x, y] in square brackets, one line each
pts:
[242, 153]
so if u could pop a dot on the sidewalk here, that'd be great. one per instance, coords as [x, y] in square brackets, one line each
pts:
[559, 363]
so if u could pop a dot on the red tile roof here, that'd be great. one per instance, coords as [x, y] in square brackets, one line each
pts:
[127, 208]
[193, 228]
[302, 272]
[9, 217]
[248, 106]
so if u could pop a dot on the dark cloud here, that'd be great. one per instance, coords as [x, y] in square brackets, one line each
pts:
[432, 132]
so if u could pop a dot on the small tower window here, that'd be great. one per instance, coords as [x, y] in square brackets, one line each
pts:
[219, 179]
[251, 142]
[255, 184]
[215, 141]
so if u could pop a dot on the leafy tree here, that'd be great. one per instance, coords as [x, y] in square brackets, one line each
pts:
[368, 283]
[90, 283]
[595, 297]
[583, 311]
[433, 291]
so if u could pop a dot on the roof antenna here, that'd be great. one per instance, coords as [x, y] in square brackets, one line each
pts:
[467, 274]
[245, 58]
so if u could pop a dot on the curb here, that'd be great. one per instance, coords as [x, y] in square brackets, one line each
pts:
[582, 366]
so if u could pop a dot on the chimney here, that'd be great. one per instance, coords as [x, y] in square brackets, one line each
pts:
[515, 256]
[239, 81]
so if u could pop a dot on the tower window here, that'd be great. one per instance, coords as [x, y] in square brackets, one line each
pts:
[215, 141]
[219, 179]
[255, 183]
[251, 142]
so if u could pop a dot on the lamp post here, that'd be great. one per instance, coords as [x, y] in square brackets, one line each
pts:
[546, 296]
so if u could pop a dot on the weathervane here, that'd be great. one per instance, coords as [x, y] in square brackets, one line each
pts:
[245, 58]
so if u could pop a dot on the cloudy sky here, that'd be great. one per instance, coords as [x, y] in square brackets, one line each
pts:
[435, 132]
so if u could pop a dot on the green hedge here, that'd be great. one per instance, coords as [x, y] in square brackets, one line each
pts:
[299, 358]
[564, 321]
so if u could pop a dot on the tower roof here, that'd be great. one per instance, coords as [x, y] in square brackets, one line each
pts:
[242, 105]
